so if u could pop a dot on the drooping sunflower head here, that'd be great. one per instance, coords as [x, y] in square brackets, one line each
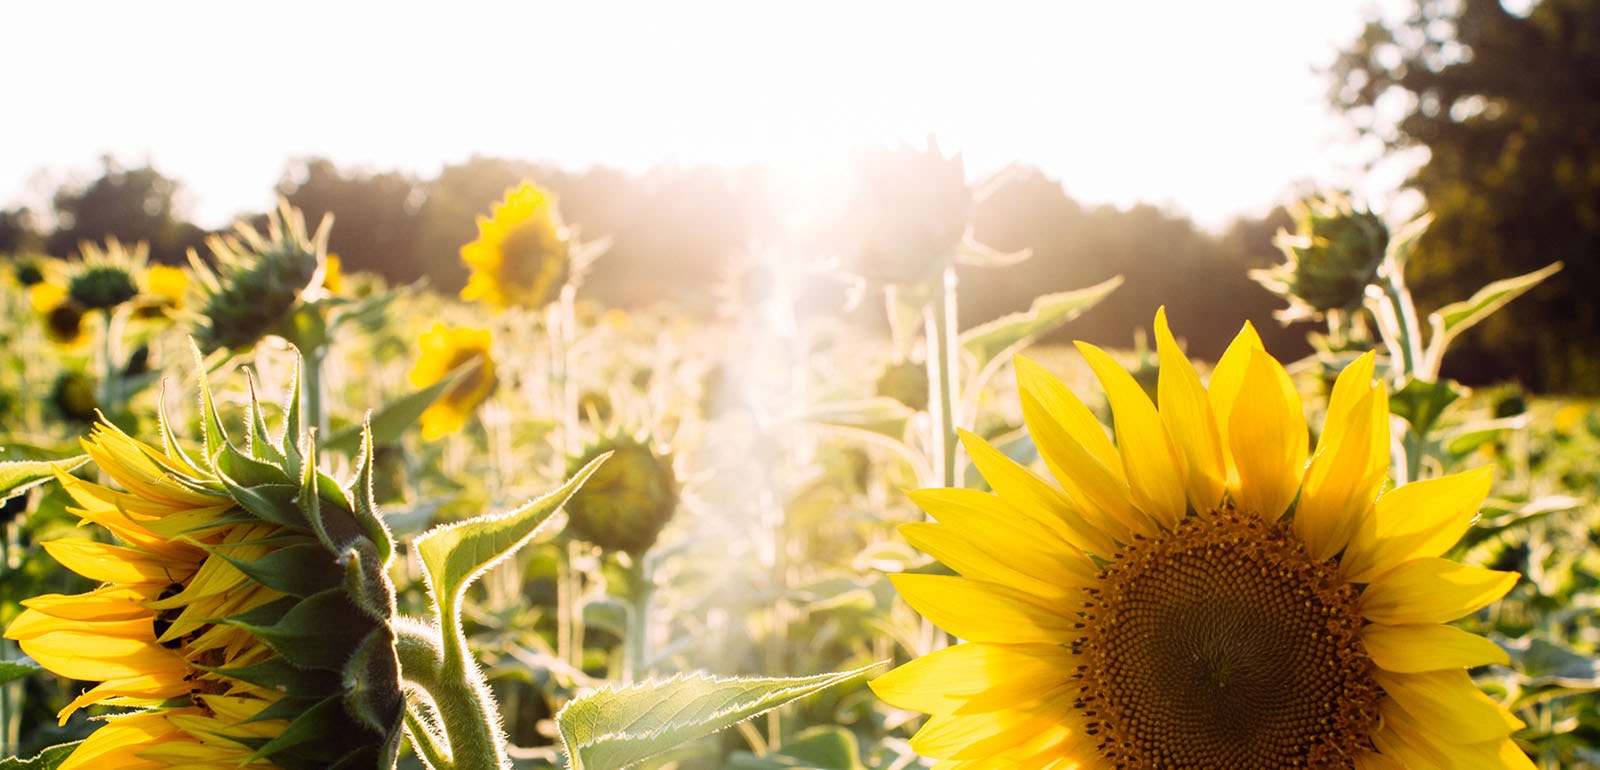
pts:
[628, 500]
[63, 317]
[258, 279]
[522, 256]
[244, 606]
[1199, 588]
[444, 350]
[912, 207]
[106, 278]
[1329, 259]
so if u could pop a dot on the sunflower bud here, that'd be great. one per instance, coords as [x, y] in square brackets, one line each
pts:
[630, 497]
[246, 605]
[29, 272]
[912, 208]
[522, 256]
[73, 395]
[258, 279]
[1330, 259]
[905, 382]
[106, 277]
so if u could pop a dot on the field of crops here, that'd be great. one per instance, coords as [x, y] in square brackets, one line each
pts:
[327, 522]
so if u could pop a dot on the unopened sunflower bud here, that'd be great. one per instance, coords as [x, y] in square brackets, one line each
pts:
[106, 277]
[1330, 259]
[73, 395]
[258, 279]
[630, 497]
[905, 382]
[911, 208]
[29, 272]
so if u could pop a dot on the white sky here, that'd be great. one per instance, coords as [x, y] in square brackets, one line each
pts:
[1210, 108]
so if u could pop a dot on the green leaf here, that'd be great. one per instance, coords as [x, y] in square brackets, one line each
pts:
[12, 670]
[49, 759]
[1421, 402]
[1451, 320]
[19, 476]
[611, 728]
[391, 421]
[878, 414]
[455, 554]
[998, 338]
[829, 747]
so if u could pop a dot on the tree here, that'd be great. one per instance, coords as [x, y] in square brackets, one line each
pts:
[375, 215]
[131, 204]
[1507, 110]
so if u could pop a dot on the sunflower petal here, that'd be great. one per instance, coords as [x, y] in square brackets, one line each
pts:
[1448, 706]
[1268, 439]
[1223, 389]
[946, 679]
[979, 516]
[1339, 487]
[1030, 493]
[1149, 458]
[1186, 412]
[1420, 519]
[1432, 591]
[1409, 649]
[982, 612]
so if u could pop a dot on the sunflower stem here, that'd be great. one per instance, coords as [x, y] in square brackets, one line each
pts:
[436, 661]
[425, 742]
[637, 661]
[942, 392]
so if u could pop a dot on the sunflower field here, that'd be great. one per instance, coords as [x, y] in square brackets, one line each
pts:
[263, 513]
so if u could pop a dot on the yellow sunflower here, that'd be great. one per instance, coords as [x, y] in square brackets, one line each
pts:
[63, 318]
[521, 257]
[225, 610]
[443, 350]
[1200, 590]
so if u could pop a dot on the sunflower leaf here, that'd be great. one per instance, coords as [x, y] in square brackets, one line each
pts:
[19, 476]
[12, 670]
[455, 554]
[996, 339]
[614, 728]
[391, 421]
[1451, 320]
[49, 759]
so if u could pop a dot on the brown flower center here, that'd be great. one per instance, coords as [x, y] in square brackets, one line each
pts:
[533, 259]
[1221, 644]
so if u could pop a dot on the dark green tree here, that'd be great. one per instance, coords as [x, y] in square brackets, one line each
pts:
[1507, 108]
[375, 215]
[19, 234]
[137, 204]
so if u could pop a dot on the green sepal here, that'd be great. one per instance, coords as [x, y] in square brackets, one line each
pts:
[314, 633]
[210, 421]
[396, 417]
[20, 476]
[613, 728]
[169, 440]
[365, 508]
[316, 727]
[279, 674]
[263, 446]
[301, 569]
[292, 438]
[246, 470]
[365, 582]
[272, 503]
[371, 683]
[49, 759]
[455, 554]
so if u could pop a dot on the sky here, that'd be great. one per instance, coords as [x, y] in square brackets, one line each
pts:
[1211, 109]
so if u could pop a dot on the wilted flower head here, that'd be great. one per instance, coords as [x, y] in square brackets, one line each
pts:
[445, 349]
[106, 278]
[258, 279]
[910, 210]
[1331, 257]
[245, 606]
[522, 255]
[628, 500]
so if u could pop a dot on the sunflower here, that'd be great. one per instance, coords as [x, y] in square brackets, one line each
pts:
[1202, 591]
[521, 257]
[247, 619]
[63, 318]
[443, 350]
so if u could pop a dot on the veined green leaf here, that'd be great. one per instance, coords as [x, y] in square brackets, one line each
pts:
[394, 418]
[455, 554]
[1451, 320]
[19, 476]
[613, 728]
[12, 670]
[49, 759]
[996, 339]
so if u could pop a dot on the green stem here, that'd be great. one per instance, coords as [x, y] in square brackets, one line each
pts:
[438, 665]
[942, 393]
[425, 743]
[111, 379]
[636, 663]
[313, 394]
[1410, 342]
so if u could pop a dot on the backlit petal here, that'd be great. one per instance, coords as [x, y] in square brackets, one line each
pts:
[1149, 457]
[1420, 519]
[1186, 411]
[1408, 649]
[1268, 438]
[1432, 591]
